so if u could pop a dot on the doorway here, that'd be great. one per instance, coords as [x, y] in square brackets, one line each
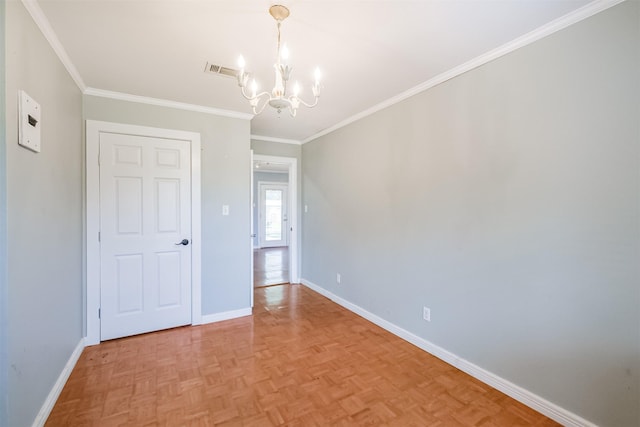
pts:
[275, 247]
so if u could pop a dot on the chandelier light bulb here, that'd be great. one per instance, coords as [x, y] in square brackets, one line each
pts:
[296, 89]
[241, 63]
[317, 75]
[254, 88]
[284, 53]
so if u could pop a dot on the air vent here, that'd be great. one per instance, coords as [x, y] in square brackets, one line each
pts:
[220, 70]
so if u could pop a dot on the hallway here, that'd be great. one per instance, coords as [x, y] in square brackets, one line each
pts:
[270, 266]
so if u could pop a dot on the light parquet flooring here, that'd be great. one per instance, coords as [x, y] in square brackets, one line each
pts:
[300, 360]
[270, 266]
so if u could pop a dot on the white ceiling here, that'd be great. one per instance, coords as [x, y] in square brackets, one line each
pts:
[368, 51]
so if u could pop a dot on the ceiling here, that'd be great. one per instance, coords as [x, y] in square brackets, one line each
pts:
[368, 51]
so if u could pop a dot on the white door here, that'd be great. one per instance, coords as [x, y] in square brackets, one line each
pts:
[273, 214]
[145, 233]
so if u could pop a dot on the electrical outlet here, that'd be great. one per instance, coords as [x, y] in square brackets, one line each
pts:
[338, 278]
[426, 314]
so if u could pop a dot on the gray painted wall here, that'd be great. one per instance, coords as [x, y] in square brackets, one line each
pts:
[269, 148]
[44, 220]
[226, 175]
[257, 177]
[508, 201]
[3, 231]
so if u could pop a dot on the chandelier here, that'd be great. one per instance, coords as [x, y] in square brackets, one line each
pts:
[278, 98]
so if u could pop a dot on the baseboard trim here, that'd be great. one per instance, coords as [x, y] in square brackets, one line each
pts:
[226, 315]
[51, 399]
[520, 394]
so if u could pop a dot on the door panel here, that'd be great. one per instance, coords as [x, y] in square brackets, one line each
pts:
[169, 266]
[128, 281]
[145, 209]
[168, 205]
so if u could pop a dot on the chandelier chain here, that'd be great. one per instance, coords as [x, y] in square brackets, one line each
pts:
[278, 53]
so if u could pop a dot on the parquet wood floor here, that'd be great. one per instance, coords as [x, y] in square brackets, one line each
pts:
[300, 360]
[270, 266]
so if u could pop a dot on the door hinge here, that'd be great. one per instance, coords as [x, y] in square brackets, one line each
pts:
[99, 314]
[99, 236]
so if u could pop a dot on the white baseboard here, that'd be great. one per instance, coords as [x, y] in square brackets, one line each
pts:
[526, 397]
[226, 315]
[51, 399]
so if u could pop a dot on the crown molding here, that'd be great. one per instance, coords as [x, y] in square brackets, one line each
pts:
[43, 24]
[556, 25]
[272, 139]
[552, 27]
[166, 103]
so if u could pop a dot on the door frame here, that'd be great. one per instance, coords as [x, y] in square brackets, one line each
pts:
[294, 256]
[251, 221]
[92, 217]
[261, 201]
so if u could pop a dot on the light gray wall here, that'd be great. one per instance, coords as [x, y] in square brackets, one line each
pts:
[226, 175]
[508, 201]
[3, 231]
[269, 148]
[44, 220]
[257, 177]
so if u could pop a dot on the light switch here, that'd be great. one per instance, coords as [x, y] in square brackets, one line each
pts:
[29, 126]
[225, 210]
[306, 208]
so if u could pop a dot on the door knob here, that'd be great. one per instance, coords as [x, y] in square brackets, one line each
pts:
[184, 242]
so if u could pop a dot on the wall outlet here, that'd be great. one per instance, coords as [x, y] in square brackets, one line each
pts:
[426, 314]
[338, 278]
